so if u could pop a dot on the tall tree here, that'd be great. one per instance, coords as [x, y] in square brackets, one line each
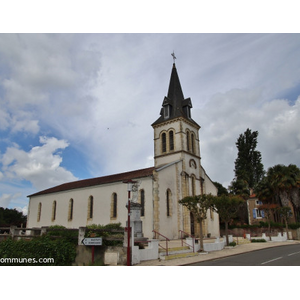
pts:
[239, 187]
[10, 216]
[285, 213]
[281, 186]
[248, 165]
[221, 189]
[285, 181]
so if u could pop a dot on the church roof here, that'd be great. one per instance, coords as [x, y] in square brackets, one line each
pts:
[97, 181]
[175, 102]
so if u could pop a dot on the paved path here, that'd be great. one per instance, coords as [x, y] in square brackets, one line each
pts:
[215, 254]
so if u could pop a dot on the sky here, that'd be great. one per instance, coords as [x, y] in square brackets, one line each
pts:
[80, 105]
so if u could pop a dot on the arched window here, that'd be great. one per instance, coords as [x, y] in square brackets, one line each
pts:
[193, 185]
[171, 140]
[193, 142]
[90, 207]
[164, 142]
[114, 205]
[70, 212]
[39, 212]
[188, 140]
[169, 203]
[53, 211]
[142, 202]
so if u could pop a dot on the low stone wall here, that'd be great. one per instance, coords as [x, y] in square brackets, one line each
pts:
[151, 252]
[110, 256]
[208, 247]
[294, 234]
[281, 237]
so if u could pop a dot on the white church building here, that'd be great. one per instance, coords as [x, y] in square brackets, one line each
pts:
[177, 172]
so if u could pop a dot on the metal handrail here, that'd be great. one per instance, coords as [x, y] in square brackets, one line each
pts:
[167, 239]
[182, 241]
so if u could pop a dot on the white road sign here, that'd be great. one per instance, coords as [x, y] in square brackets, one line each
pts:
[92, 241]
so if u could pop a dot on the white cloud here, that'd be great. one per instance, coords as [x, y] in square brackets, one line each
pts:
[44, 82]
[23, 210]
[230, 114]
[40, 166]
[5, 200]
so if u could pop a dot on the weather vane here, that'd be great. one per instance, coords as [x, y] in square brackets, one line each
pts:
[174, 57]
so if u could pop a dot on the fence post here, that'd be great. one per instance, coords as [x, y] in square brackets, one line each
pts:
[44, 230]
[81, 234]
[12, 231]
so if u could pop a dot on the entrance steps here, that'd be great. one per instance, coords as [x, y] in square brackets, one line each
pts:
[176, 252]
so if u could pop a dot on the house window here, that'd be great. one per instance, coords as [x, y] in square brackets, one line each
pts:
[39, 212]
[164, 142]
[70, 212]
[114, 205]
[169, 203]
[53, 211]
[142, 202]
[258, 213]
[90, 207]
[171, 140]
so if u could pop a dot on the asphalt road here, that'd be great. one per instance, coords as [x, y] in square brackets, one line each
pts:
[277, 256]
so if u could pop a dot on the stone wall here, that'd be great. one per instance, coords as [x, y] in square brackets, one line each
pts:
[110, 256]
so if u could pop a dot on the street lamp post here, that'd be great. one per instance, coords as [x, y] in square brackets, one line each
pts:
[129, 189]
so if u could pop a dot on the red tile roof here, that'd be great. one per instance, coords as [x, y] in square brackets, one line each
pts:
[97, 181]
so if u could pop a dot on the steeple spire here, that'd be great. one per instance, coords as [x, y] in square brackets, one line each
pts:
[174, 105]
[175, 92]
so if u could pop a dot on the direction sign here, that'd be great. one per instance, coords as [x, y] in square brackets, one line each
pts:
[92, 241]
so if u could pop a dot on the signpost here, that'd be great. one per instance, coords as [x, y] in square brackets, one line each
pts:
[92, 241]
[97, 241]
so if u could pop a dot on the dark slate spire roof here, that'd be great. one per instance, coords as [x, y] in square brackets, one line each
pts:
[174, 105]
[175, 91]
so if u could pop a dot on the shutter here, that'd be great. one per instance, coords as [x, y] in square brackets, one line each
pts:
[254, 213]
[262, 214]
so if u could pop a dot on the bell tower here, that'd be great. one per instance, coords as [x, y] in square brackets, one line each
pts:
[176, 134]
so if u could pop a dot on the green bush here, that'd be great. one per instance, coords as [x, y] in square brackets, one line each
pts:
[61, 232]
[107, 231]
[232, 244]
[57, 252]
[258, 241]
[294, 225]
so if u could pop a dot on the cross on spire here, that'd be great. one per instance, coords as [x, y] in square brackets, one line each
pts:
[174, 57]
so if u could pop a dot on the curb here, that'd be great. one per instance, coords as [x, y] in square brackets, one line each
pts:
[233, 254]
